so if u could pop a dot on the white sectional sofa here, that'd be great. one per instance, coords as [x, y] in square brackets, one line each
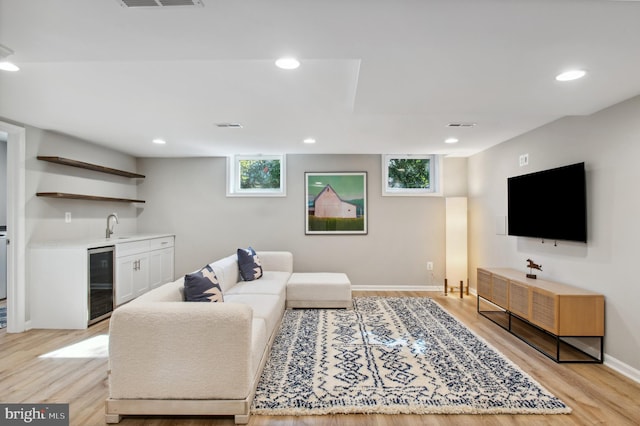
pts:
[170, 357]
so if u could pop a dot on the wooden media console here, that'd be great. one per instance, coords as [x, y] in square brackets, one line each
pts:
[563, 322]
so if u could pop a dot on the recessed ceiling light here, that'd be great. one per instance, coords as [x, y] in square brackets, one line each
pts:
[159, 141]
[8, 66]
[288, 63]
[309, 140]
[571, 75]
[461, 124]
[451, 140]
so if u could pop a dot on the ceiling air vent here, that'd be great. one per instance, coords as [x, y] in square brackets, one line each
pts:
[229, 125]
[461, 124]
[160, 3]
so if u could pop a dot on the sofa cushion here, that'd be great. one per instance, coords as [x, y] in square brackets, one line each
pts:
[265, 306]
[249, 264]
[202, 286]
[272, 282]
[226, 270]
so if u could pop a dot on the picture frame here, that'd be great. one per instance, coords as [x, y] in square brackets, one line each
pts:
[336, 203]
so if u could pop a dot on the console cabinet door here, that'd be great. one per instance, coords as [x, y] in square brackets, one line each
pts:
[520, 299]
[544, 310]
[484, 284]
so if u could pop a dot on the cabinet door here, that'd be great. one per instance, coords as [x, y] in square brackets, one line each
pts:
[141, 275]
[132, 277]
[484, 284]
[160, 267]
[500, 291]
[544, 310]
[125, 269]
[519, 299]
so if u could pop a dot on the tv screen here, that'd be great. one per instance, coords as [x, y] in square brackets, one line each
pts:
[551, 204]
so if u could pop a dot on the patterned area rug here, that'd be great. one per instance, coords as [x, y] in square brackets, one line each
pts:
[388, 356]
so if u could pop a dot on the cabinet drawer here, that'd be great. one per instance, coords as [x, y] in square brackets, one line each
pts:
[160, 243]
[133, 247]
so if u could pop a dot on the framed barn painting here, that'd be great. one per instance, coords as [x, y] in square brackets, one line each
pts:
[335, 203]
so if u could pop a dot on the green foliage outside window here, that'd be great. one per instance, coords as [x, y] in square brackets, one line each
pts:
[410, 173]
[259, 174]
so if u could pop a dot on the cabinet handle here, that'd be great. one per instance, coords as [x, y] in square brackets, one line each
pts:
[164, 242]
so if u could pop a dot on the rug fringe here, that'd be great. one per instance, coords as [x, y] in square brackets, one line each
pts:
[401, 410]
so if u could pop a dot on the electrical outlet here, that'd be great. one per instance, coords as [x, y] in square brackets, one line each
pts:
[67, 217]
[429, 266]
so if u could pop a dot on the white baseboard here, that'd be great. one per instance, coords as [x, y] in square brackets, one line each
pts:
[396, 288]
[622, 368]
[436, 288]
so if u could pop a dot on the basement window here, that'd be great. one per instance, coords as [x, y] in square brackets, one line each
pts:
[411, 175]
[256, 176]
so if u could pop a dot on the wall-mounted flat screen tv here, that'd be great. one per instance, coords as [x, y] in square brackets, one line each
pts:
[551, 204]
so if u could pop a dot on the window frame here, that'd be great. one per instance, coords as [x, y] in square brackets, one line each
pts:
[435, 175]
[234, 189]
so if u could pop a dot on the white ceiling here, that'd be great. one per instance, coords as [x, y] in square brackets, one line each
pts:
[377, 76]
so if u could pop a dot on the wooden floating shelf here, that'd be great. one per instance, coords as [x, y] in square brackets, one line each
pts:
[89, 166]
[85, 197]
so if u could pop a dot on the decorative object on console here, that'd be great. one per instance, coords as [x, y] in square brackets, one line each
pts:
[249, 264]
[202, 286]
[335, 203]
[532, 265]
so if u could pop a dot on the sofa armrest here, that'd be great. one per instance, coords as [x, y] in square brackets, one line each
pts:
[178, 350]
[276, 260]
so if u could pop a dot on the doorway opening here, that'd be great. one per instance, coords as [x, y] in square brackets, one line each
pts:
[15, 227]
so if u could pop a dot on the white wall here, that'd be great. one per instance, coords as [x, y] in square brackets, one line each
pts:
[187, 197]
[609, 143]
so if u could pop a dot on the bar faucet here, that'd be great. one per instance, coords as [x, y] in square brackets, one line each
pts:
[109, 227]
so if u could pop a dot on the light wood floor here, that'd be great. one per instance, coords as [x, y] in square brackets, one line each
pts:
[597, 394]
